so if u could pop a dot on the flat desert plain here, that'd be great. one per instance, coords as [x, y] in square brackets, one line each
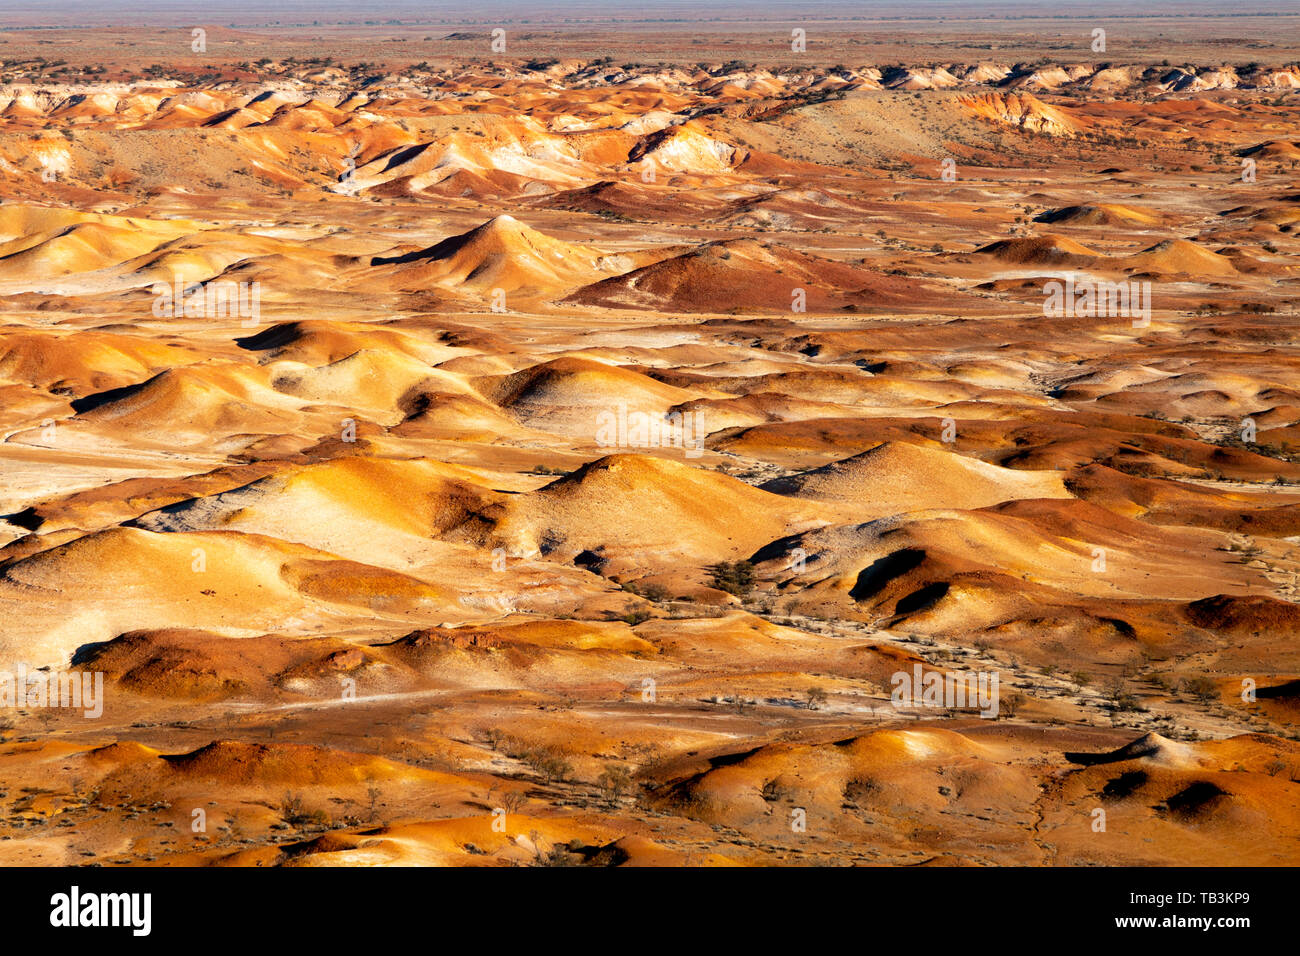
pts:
[679, 444]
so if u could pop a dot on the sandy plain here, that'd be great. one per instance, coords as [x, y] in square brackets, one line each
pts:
[603, 430]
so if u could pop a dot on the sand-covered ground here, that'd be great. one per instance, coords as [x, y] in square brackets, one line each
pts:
[521, 460]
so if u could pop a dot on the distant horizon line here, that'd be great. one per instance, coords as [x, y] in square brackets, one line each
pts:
[98, 13]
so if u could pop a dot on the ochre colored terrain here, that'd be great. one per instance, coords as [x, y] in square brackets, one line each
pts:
[559, 460]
